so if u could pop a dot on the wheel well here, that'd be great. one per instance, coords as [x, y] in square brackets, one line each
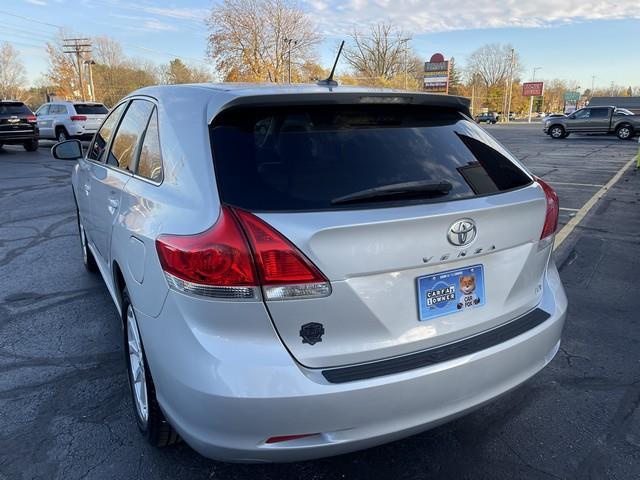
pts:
[60, 127]
[624, 125]
[119, 283]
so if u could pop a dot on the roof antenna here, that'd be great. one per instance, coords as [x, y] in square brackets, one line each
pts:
[329, 81]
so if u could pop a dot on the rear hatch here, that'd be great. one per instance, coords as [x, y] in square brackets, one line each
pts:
[427, 229]
[94, 113]
[16, 118]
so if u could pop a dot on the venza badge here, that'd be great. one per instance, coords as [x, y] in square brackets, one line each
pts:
[462, 232]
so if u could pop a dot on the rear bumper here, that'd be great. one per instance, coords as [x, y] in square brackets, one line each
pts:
[226, 398]
[18, 137]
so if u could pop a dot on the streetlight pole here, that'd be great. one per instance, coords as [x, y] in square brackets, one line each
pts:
[288, 42]
[533, 77]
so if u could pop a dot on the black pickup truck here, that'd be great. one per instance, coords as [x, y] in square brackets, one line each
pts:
[18, 125]
[607, 120]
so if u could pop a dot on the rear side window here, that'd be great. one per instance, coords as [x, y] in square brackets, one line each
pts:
[599, 112]
[14, 108]
[150, 162]
[315, 157]
[129, 133]
[101, 140]
[93, 109]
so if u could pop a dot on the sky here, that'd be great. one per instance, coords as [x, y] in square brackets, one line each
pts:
[590, 42]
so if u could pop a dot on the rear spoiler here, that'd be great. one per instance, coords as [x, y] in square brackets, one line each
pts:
[460, 104]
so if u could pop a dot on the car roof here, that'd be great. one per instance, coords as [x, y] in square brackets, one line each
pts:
[220, 96]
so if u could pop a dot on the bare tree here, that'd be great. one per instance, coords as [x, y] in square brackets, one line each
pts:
[492, 63]
[108, 52]
[382, 52]
[254, 40]
[12, 72]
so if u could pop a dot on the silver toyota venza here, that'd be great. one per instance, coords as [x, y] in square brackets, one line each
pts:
[304, 271]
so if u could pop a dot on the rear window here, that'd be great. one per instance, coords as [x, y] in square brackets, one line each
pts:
[312, 158]
[14, 108]
[85, 109]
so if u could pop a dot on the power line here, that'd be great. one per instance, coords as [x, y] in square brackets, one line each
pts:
[139, 47]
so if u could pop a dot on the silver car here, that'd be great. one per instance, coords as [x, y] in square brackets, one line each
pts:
[306, 271]
[64, 120]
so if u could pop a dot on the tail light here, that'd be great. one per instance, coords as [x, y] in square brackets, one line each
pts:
[553, 210]
[30, 118]
[239, 254]
[78, 118]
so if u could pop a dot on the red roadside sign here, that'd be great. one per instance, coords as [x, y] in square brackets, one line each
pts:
[532, 89]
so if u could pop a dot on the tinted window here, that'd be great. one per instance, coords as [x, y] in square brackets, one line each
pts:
[93, 109]
[14, 108]
[599, 112]
[101, 140]
[305, 158]
[150, 162]
[129, 133]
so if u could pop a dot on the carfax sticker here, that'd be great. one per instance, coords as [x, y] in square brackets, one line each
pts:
[449, 292]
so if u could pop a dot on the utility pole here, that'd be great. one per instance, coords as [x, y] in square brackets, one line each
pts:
[533, 78]
[406, 62]
[288, 42]
[92, 93]
[506, 101]
[593, 81]
[510, 82]
[78, 47]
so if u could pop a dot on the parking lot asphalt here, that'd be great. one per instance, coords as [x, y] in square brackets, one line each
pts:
[65, 410]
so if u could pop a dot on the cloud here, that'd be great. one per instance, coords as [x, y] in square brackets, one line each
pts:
[40, 3]
[157, 25]
[430, 16]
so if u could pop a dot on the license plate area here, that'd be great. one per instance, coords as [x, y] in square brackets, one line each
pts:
[445, 293]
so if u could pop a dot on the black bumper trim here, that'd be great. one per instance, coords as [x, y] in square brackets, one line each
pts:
[440, 354]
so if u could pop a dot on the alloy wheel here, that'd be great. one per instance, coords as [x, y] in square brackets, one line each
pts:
[137, 367]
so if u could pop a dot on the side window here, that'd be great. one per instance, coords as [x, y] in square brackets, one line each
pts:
[584, 113]
[150, 163]
[101, 140]
[129, 134]
[599, 112]
[43, 110]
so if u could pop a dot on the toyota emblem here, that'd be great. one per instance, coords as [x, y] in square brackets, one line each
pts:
[462, 232]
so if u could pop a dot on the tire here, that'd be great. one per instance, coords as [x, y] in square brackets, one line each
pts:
[62, 135]
[624, 132]
[557, 132]
[87, 257]
[149, 418]
[566, 134]
[31, 145]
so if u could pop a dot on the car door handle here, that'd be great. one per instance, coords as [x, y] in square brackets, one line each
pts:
[113, 205]
[87, 188]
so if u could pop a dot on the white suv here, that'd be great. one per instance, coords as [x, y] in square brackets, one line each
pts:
[303, 271]
[64, 120]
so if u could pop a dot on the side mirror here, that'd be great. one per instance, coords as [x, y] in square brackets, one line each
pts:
[67, 150]
[572, 116]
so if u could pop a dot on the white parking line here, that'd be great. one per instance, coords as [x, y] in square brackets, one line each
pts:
[570, 209]
[578, 184]
[573, 223]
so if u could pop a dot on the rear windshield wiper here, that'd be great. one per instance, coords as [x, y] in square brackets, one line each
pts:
[415, 189]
